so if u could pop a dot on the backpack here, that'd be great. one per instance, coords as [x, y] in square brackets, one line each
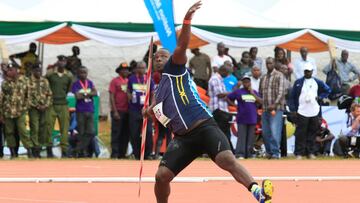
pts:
[334, 82]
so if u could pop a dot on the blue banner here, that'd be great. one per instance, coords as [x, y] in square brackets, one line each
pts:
[161, 12]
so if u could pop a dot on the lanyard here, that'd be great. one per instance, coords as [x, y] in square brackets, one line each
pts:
[84, 86]
[139, 81]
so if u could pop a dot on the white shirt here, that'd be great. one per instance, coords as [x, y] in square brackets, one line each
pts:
[255, 83]
[299, 67]
[308, 106]
[218, 61]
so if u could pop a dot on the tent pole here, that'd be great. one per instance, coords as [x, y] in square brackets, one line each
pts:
[42, 56]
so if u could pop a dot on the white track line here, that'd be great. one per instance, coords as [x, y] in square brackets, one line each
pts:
[36, 200]
[177, 179]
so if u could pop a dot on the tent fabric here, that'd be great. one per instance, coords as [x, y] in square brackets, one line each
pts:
[132, 34]
[25, 32]
[63, 36]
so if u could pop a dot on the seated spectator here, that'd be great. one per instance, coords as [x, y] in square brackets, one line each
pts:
[323, 139]
[233, 61]
[74, 62]
[349, 140]
[84, 90]
[257, 61]
[244, 66]
[280, 57]
[218, 60]
[246, 117]
[300, 63]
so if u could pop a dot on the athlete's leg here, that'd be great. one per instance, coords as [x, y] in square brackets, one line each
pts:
[163, 178]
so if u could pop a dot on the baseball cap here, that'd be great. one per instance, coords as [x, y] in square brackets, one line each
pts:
[308, 66]
[246, 77]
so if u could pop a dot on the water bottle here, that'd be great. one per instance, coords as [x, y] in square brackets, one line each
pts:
[133, 97]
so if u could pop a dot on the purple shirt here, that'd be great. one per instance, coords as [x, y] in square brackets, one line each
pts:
[83, 105]
[246, 110]
[137, 89]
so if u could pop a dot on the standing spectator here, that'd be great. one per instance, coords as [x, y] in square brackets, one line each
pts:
[349, 138]
[302, 62]
[27, 59]
[40, 98]
[244, 66]
[14, 104]
[304, 104]
[255, 78]
[355, 90]
[74, 62]
[346, 71]
[280, 57]
[218, 104]
[84, 90]
[246, 117]
[272, 91]
[230, 80]
[220, 58]
[136, 94]
[119, 112]
[2, 79]
[60, 84]
[200, 66]
[257, 61]
[323, 139]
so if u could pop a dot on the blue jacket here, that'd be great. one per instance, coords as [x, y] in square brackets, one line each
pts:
[323, 92]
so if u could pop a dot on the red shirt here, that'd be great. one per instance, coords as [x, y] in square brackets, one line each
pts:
[118, 87]
[355, 91]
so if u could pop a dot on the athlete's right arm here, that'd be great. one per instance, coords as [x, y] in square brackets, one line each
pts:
[179, 56]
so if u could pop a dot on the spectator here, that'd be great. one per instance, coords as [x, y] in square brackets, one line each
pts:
[272, 90]
[230, 80]
[285, 71]
[349, 138]
[218, 104]
[301, 63]
[355, 90]
[2, 79]
[255, 78]
[60, 85]
[346, 71]
[136, 95]
[40, 98]
[280, 57]
[27, 59]
[220, 58]
[119, 112]
[84, 90]
[244, 66]
[14, 104]
[246, 117]
[304, 104]
[200, 66]
[257, 61]
[323, 139]
[74, 62]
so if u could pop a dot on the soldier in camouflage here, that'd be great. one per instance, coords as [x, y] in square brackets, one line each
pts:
[40, 98]
[14, 104]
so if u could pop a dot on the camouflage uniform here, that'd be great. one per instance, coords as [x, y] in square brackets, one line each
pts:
[13, 108]
[39, 95]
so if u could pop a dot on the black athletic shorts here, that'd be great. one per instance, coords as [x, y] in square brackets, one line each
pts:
[207, 138]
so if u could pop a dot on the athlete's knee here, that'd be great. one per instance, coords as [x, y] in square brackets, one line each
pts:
[225, 160]
[164, 175]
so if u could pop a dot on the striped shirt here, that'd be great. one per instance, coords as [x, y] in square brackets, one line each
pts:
[217, 86]
[272, 90]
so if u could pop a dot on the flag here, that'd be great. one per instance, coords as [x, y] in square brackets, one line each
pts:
[162, 14]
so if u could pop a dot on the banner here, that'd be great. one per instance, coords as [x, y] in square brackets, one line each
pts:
[161, 12]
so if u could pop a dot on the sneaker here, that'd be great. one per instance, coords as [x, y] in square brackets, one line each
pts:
[264, 194]
[298, 157]
[311, 156]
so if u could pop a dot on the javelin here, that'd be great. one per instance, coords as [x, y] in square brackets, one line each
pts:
[145, 119]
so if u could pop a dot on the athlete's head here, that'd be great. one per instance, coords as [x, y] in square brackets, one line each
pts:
[161, 57]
